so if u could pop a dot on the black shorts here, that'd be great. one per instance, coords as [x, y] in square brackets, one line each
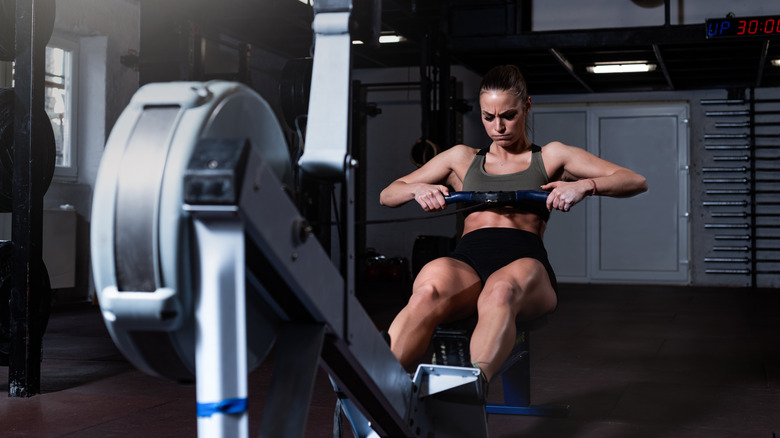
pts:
[487, 250]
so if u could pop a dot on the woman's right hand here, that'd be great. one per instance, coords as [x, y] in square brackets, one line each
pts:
[431, 196]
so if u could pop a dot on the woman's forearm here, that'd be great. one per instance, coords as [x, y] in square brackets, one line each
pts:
[621, 184]
[429, 196]
[396, 194]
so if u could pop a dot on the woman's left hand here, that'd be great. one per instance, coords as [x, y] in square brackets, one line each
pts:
[564, 194]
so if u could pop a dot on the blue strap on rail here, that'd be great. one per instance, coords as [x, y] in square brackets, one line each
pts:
[503, 197]
[227, 406]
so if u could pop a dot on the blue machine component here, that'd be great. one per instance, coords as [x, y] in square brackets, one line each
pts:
[498, 197]
[229, 406]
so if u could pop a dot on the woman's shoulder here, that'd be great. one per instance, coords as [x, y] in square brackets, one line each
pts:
[555, 149]
[460, 152]
[555, 155]
[553, 146]
[464, 149]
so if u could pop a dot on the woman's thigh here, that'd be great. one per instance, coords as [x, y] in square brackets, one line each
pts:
[524, 286]
[449, 284]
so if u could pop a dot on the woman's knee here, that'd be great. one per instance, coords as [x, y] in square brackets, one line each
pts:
[525, 286]
[431, 303]
[427, 300]
[425, 294]
[499, 294]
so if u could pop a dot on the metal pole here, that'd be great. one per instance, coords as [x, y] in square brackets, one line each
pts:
[27, 211]
[220, 330]
[667, 12]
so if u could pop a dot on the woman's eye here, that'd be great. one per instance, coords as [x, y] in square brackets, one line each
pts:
[489, 118]
[509, 116]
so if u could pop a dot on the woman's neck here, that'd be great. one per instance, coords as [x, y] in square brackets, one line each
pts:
[514, 149]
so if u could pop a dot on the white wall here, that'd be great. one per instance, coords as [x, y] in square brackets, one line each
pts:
[105, 30]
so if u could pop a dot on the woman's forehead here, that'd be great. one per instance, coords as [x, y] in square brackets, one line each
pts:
[498, 101]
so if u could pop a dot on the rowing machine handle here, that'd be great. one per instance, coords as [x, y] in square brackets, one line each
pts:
[488, 197]
[458, 197]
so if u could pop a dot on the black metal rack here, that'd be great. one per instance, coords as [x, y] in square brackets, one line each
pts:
[742, 187]
[32, 22]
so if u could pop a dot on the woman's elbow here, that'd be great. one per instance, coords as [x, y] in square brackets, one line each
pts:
[393, 195]
[385, 199]
[641, 184]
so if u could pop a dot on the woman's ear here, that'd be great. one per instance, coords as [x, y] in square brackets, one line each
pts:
[528, 105]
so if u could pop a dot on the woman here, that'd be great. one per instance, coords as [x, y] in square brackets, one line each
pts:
[500, 268]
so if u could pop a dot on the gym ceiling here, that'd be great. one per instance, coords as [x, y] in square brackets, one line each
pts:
[479, 34]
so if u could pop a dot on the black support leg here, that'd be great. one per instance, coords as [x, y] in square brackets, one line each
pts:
[27, 198]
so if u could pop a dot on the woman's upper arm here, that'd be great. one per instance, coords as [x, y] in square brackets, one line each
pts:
[578, 163]
[439, 170]
[574, 164]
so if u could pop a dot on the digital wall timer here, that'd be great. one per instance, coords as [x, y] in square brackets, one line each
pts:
[736, 27]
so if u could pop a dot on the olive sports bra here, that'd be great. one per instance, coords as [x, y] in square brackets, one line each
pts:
[477, 180]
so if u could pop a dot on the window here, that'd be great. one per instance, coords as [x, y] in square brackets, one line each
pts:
[61, 102]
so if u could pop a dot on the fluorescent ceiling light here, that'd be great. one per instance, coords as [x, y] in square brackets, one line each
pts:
[621, 67]
[391, 39]
[386, 39]
[775, 62]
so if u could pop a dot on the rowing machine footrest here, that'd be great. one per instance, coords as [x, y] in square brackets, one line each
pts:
[451, 347]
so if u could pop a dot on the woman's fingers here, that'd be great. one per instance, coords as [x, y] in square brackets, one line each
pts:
[431, 198]
[563, 197]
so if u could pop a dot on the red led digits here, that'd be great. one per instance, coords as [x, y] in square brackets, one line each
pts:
[753, 27]
[743, 27]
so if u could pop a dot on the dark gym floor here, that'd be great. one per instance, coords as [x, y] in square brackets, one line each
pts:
[631, 361]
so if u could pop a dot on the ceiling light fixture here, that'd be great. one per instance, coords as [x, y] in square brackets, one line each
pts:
[621, 67]
[386, 39]
[775, 62]
[391, 39]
